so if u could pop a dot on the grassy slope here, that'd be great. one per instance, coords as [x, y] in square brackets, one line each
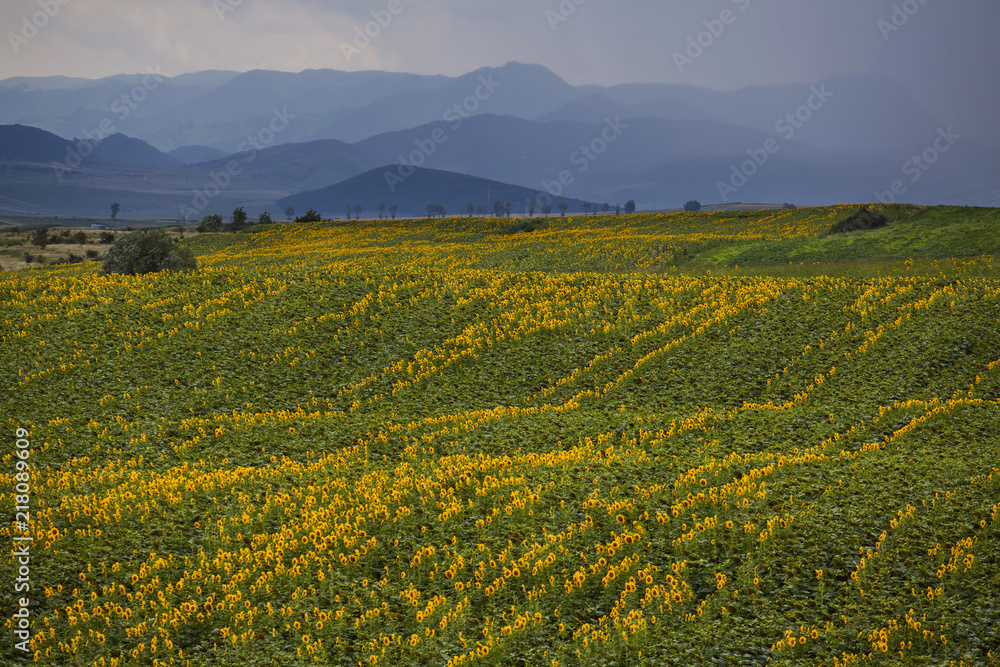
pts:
[936, 232]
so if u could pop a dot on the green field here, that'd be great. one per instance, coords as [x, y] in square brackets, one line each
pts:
[724, 438]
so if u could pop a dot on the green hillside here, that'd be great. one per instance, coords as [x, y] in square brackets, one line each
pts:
[458, 442]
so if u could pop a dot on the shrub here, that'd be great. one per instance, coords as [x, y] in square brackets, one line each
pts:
[92, 254]
[210, 223]
[238, 221]
[147, 252]
[309, 216]
[693, 206]
[864, 218]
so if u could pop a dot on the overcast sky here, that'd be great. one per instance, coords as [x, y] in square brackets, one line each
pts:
[946, 52]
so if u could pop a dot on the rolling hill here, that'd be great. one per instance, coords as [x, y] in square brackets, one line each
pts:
[413, 191]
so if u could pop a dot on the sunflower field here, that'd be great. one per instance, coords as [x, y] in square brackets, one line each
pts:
[462, 443]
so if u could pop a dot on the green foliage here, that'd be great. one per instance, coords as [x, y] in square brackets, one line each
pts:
[809, 458]
[863, 219]
[238, 220]
[309, 216]
[147, 252]
[211, 223]
[40, 238]
[692, 206]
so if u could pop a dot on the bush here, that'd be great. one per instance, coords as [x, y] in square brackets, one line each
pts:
[107, 237]
[210, 223]
[147, 252]
[238, 221]
[693, 206]
[864, 218]
[309, 216]
[92, 254]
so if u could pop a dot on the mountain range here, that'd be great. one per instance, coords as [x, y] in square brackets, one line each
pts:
[206, 142]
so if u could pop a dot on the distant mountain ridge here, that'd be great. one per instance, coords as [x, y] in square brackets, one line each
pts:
[218, 109]
[841, 140]
[413, 189]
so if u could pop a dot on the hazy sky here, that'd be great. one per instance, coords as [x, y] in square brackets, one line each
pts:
[946, 51]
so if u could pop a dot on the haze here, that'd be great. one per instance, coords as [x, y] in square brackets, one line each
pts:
[945, 53]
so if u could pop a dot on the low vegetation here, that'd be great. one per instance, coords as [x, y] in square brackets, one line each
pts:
[441, 443]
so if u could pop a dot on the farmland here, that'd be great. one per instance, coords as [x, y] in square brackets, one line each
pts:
[648, 440]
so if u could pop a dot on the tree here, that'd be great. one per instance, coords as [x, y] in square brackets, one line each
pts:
[238, 220]
[563, 205]
[210, 223]
[498, 209]
[79, 238]
[430, 210]
[350, 209]
[114, 210]
[546, 208]
[381, 210]
[107, 237]
[531, 207]
[586, 207]
[470, 209]
[630, 207]
[692, 206]
[264, 219]
[440, 210]
[605, 207]
[507, 208]
[40, 238]
[357, 211]
[309, 216]
[289, 212]
[147, 252]
[392, 210]
[618, 209]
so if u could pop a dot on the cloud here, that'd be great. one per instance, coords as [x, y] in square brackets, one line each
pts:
[944, 52]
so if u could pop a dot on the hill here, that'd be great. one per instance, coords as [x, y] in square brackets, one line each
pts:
[195, 154]
[413, 192]
[388, 443]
